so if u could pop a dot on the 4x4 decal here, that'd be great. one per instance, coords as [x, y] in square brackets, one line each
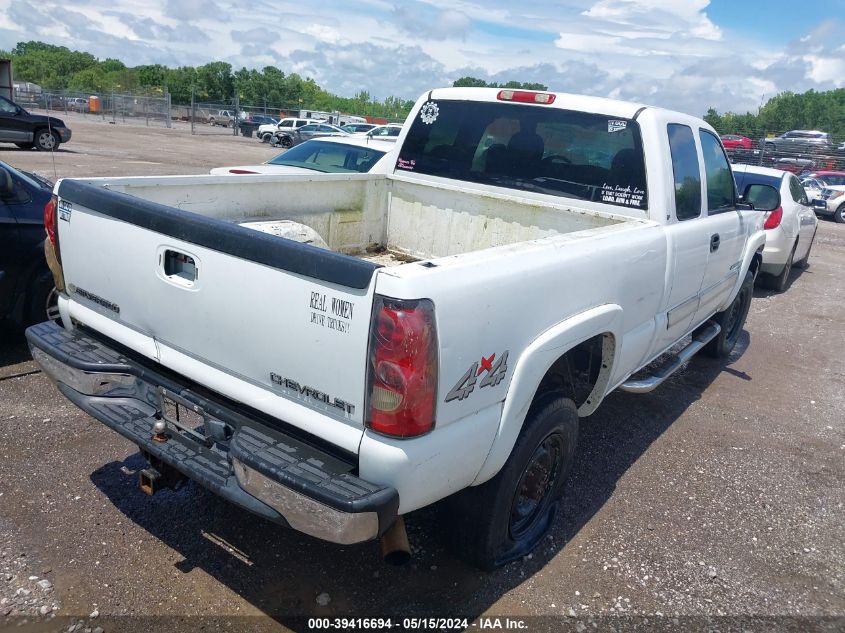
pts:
[496, 370]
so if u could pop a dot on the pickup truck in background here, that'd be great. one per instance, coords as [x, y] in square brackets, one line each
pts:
[433, 333]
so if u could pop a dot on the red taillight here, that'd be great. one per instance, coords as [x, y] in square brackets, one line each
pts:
[242, 171]
[402, 374]
[525, 96]
[51, 220]
[773, 219]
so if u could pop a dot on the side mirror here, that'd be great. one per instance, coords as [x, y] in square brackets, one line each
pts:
[761, 197]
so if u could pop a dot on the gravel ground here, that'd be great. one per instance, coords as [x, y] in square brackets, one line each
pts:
[715, 501]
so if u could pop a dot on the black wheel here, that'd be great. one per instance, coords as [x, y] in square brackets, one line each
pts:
[266, 137]
[24, 145]
[43, 299]
[286, 141]
[505, 518]
[46, 140]
[731, 321]
[839, 216]
[804, 262]
[778, 282]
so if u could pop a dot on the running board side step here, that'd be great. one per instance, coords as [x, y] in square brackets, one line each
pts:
[652, 382]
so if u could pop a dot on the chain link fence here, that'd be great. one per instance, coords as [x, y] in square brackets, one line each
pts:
[114, 107]
[798, 151]
[232, 118]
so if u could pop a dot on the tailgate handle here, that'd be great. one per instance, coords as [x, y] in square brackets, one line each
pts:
[179, 266]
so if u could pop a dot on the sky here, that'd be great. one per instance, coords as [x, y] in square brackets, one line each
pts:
[686, 55]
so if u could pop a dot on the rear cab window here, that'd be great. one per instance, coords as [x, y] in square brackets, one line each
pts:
[686, 171]
[567, 153]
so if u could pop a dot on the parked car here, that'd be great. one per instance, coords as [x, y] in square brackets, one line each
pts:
[793, 165]
[800, 141]
[305, 133]
[735, 141]
[327, 391]
[813, 187]
[327, 155]
[828, 177]
[27, 291]
[226, 118]
[815, 182]
[831, 203]
[790, 227]
[77, 104]
[27, 130]
[383, 132]
[253, 122]
[354, 128]
[288, 124]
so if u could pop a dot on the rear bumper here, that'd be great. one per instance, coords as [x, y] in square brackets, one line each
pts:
[776, 252]
[241, 457]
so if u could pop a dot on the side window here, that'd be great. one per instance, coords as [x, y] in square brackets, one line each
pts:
[720, 184]
[797, 191]
[7, 106]
[685, 169]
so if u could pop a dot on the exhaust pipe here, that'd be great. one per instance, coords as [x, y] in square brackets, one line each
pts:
[395, 549]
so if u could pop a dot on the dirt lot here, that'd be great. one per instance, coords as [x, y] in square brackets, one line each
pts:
[715, 501]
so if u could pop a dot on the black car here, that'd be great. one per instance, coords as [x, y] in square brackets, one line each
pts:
[27, 293]
[30, 130]
[251, 123]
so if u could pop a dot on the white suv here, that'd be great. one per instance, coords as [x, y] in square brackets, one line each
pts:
[266, 131]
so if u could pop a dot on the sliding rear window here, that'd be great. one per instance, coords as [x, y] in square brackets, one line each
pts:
[565, 153]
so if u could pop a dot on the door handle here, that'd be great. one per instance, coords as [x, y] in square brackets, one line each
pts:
[714, 242]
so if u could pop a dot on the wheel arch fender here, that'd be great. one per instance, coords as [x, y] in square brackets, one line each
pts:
[751, 260]
[534, 363]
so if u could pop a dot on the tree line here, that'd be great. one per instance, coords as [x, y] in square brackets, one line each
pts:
[810, 110]
[57, 68]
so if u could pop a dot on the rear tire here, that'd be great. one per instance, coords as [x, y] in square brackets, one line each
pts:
[731, 321]
[506, 517]
[778, 282]
[839, 216]
[266, 137]
[42, 300]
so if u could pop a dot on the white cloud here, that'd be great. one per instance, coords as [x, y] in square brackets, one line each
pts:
[826, 69]
[666, 52]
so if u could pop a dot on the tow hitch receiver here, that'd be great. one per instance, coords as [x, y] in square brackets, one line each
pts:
[158, 476]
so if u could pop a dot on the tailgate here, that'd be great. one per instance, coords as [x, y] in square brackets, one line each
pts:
[275, 324]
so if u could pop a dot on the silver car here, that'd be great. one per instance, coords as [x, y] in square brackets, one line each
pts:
[800, 141]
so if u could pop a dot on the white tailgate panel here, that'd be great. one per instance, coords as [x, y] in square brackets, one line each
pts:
[245, 319]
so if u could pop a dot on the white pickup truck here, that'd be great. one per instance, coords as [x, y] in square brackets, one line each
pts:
[435, 334]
